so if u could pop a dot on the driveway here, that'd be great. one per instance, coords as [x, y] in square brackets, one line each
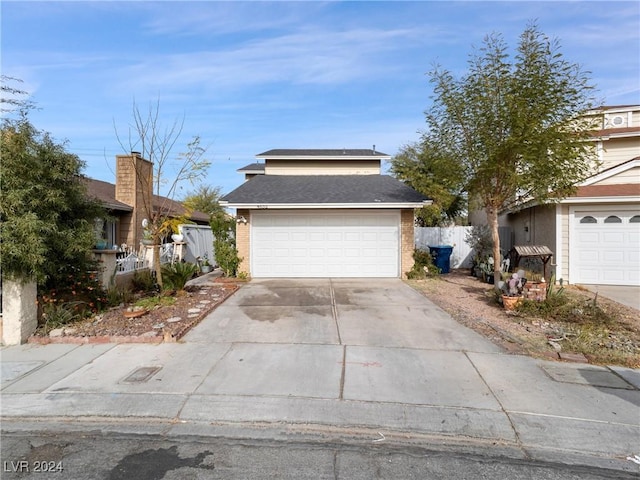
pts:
[625, 294]
[354, 312]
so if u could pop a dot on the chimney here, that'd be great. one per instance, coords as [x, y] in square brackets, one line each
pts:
[134, 183]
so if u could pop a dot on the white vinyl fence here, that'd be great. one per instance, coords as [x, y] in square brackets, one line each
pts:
[199, 240]
[462, 255]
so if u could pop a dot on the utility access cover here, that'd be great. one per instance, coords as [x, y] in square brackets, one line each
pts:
[141, 375]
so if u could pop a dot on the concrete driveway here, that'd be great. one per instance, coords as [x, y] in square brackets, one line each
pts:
[625, 294]
[370, 313]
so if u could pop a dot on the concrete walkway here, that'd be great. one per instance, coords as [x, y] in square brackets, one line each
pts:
[368, 360]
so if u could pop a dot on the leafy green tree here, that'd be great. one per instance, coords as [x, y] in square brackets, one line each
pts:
[435, 176]
[204, 199]
[514, 126]
[47, 220]
[224, 243]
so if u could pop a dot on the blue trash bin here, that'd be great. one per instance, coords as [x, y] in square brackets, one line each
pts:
[441, 255]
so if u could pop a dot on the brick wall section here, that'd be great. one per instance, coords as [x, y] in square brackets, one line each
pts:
[242, 242]
[407, 244]
[134, 176]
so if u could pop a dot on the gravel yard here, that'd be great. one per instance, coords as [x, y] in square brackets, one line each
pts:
[468, 300]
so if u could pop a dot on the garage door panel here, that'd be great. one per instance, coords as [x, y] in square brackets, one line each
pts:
[611, 256]
[340, 244]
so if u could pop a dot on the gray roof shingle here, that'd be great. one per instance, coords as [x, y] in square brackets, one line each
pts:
[321, 152]
[318, 189]
[252, 167]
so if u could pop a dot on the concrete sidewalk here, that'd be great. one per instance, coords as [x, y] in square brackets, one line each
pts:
[369, 361]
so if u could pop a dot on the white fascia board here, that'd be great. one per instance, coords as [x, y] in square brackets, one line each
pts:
[296, 206]
[610, 172]
[324, 157]
[613, 199]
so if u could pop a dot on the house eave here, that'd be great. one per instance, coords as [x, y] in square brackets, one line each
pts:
[608, 199]
[610, 172]
[324, 157]
[297, 206]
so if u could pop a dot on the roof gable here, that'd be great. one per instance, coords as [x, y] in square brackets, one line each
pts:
[611, 172]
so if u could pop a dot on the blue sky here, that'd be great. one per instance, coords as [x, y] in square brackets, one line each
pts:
[252, 76]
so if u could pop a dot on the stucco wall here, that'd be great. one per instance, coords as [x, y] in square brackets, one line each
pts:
[19, 311]
[322, 167]
[535, 226]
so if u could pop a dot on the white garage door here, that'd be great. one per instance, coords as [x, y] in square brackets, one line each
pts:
[314, 243]
[606, 247]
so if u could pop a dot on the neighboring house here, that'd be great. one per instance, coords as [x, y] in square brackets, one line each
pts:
[126, 199]
[595, 234]
[323, 213]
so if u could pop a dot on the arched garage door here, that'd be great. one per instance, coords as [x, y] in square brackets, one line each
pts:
[605, 246]
[325, 243]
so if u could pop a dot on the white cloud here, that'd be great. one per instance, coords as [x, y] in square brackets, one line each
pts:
[310, 57]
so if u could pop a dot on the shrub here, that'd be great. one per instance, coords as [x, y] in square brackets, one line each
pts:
[158, 301]
[118, 295]
[56, 315]
[227, 256]
[79, 289]
[143, 281]
[176, 275]
[423, 266]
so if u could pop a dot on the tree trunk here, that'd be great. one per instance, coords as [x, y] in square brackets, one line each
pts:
[156, 265]
[492, 219]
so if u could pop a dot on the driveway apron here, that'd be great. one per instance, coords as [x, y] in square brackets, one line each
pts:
[348, 339]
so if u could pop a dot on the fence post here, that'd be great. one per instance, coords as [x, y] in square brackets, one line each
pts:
[19, 311]
[107, 259]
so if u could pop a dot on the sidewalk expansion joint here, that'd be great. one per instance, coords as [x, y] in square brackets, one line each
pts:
[504, 410]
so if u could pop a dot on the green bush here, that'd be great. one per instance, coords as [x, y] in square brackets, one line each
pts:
[176, 275]
[158, 301]
[423, 266]
[55, 315]
[80, 289]
[227, 256]
[143, 281]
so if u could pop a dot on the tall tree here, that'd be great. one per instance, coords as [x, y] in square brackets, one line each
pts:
[155, 142]
[46, 218]
[204, 199]
[437, 177]
[513, 125]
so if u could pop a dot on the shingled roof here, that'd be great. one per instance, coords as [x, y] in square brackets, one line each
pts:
[105, 193]
[320, 152]
[323, 189]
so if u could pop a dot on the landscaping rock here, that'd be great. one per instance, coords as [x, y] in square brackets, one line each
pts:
[56, 332]
[173, 319]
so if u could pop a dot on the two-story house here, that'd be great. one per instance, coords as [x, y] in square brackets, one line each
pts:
[323, 213]
[595, 234]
